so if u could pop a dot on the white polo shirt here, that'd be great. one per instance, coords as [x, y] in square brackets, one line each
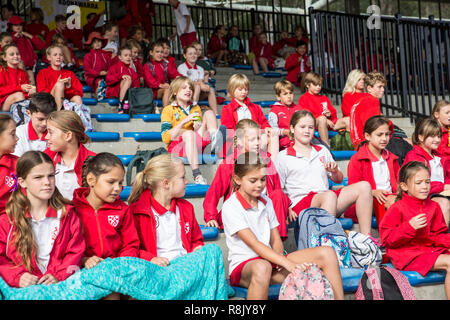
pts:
[237, 215]
[437, 171]
[181, 11]
[195, 73]
[381, 175]
[45, 232]
[29, 140]
[243, 112]
[300, 175]
[66, 179]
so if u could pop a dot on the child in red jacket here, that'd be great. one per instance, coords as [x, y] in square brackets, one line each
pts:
[441, 112]
[247, 139]
[14, 82]
[281, 112]
[37, 26]
[136, 64]
[253, 42]
[298, 65]
[26, 43]
[413, 231]
[217, 46]
[353, 91]
[165, 222]
[426, 139]
[96, 62]
[59, 82]
[375, 164]
[107, 221]
[8, 141]
[263, 55]
[319, 105]
[51, 247]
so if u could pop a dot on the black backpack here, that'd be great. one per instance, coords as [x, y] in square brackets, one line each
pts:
[140, 160]
[140, 101]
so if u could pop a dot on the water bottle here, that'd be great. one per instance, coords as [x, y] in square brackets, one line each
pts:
[126, 106]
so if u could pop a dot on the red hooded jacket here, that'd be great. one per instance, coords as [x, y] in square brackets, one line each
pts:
[114, 77]
[366, 107]
[265, 51]
[65, 256]
[444, 146]
[159, 72]
[11, 81]
[215, 44]
[46, 79]
[315, 104]
[410, 249]
[7, 170]
[144, 211]
[95, 61]
[26, 48]
[109, 231]
[229, 117]
[348, 100]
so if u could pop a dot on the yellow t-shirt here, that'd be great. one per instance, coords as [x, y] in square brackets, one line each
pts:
[172, 115]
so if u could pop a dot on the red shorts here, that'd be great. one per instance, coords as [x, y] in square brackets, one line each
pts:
[177, 146]
[305, 203]
[235, 276]
[187, 38]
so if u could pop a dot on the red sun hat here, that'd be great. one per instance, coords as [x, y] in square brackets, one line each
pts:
[94, 35]
[15, 20]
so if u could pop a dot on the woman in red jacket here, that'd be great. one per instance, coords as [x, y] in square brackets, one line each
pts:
[14, 82]
[426, 139]
[413, 231]
[376, 165]
[41, 241]
[59, 82]
[107, 222]
[165, 222]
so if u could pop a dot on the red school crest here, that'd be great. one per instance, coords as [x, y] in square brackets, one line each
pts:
[113, 220]
[322, 159]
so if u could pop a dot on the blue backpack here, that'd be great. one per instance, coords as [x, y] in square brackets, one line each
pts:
[317, 227]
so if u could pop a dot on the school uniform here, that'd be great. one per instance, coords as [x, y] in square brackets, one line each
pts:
[37, 29]
[317, 105]
[109, 231]
[292, 41]
[279, 118]
[444, 145]
[8, 179]
[265, 51]
[215, 44]
[29, 139]
[348, 100]
[439, 167]
[67, 178]
[47, 78]
[138, 67]
[253, 43]
[165, 233]
[195, 72]
[410, 249]
[221, 186]
[295, 67]
[238, 215]
[302, 178]
[233, 112]
[181, 11]
[114, 77]
[96, 61]
[159, 72]
[11, 81]
[26, 48]
[366, 107]
[60, 246]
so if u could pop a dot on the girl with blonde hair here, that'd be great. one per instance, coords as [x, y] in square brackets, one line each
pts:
[353, 91]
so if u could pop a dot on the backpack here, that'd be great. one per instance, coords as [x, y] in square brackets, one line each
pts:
[18, 112]
[317, 227]
[399, 147]
[140, 101]
[384, 283]
[140, 160]
[364, 252]
[342, 141]
[310, 284]
[82, 111]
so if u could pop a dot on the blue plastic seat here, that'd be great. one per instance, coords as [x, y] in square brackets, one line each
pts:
[103, 136]
[144, 136]
[192, 191]
[203, 159]
[242, 67]
[89, 101]
[331, 134]
[343, 154]
[87, 89]
[265, 103]
[274, 291]
[270, 74]
[209, 233]
[344, 183]
[125, 158]
[347, 223]
[148, 117]
[111, 101]
[112, 117]
[158, 102]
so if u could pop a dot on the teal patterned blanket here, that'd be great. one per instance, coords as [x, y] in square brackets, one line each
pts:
[197, 276]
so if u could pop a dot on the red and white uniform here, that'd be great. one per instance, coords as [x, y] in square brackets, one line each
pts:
[47, 78]
[26, 48]
[215, 44]
[96, 61]
[348, 100]
[7, 172]
[114, 77]
[279, 118]
[367, 106]
[317, 105]
[29, 140]
[195, 72]
[165, 233]
[265, 51]
[294, 67]
[410, 249]
[159, 72]
[109, 231]
[444, 146]
[60, 245]
[11, 81]
[233, 112]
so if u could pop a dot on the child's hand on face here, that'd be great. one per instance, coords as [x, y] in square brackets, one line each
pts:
[419, 221]
[92, 262]
[160, 261]
[331, 167]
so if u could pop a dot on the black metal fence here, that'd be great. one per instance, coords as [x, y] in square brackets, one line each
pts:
[413, 54]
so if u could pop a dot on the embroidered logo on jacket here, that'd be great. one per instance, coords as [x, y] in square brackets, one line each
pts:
[186, 227]
[113, 220]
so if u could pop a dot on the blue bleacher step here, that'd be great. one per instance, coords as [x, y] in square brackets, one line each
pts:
[192, 191]
[331, 134]
[114, 102]
[265, 103]
[111, 117]
[343, 154]
[89, 101]
[87, 89]
[270, 74]
[148, 117]
[242, 67]
[347, 223]
[103, 136]
[144, 136]
[344, 183]
[209, 233]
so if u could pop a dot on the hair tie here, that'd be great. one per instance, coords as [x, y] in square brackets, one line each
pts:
[13, 181]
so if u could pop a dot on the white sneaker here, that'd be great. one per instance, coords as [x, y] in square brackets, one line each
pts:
[200, 180]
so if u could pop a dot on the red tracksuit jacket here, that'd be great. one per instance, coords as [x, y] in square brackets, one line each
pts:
[159, 72]
[215, 44]
[444, 146]
[292, 66]
[221, 186]
[316, 105]
[366, 107]
[229, 116]
[7, 170]
[419, 154]
[95, 61]
[109, 231]
[47, 78]
[11, 81]
[65, 256]
[26, 48]
[410, 249]
[284, 115]
[348, 100]
[83, 153]
[144, 211]
[265, 51]
[114, 77]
